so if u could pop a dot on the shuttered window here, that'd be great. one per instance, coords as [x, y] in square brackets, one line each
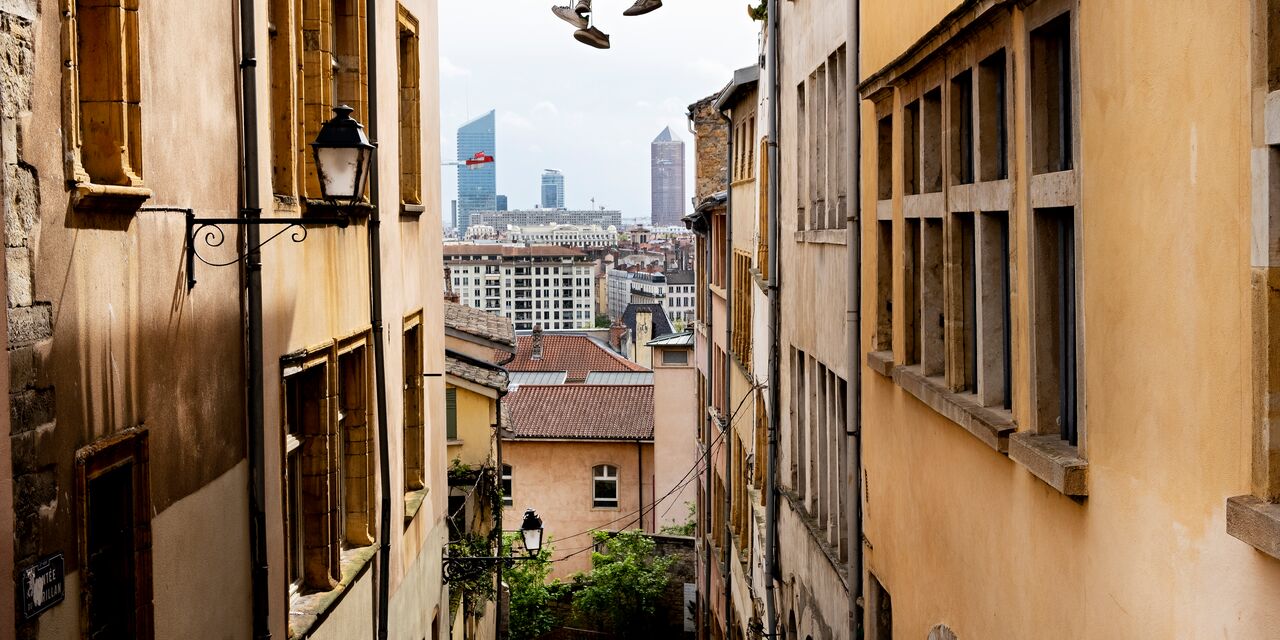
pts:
[451, 413]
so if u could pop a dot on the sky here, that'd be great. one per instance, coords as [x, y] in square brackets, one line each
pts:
[589, 113]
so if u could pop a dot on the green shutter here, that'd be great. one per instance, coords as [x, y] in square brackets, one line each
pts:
[451, 410]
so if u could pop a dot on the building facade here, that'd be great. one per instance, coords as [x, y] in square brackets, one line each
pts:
[628, 287]
[477, 187]
[527, 217]
[552, 189]
[666, 168]
[679, 302]
[544, 286]
[564, 235]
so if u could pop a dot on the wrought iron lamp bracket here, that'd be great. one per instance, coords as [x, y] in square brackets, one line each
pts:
[458, 568]
[209, 231]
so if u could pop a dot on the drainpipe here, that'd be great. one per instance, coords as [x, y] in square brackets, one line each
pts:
[854, 405]
[775, 373]
[497, 517]
[709, 391]
[375, 322]
[727, 551]
[256, 420]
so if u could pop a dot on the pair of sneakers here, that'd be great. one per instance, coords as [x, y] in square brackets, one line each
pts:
[577, 15]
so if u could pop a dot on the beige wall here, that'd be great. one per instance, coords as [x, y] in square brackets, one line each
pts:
[476, 416]
[961, 534]
[675, 446]
[554, 478]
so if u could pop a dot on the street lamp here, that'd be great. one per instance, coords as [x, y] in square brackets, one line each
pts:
[531, 531]
[343, 156]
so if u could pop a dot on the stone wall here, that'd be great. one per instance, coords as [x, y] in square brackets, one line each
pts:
[711, 147]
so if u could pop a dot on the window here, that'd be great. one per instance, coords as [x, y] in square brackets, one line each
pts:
[818, 137]
[911, 147]
[114, 507]
[880, 610]
[410, 130]
[802, 151]
[508, 498]
[962, 128]
[604, 486]
[931, 318]
[355, 414]
[883, 337]
[282, 58]
[334, 71]
[103, 86]
[742, 301]
[451, 413]
[993, 143]
[414, 441]
[1051, 127]
[311, 530]
[1055, 323]
[884, 158]
[965, 254]
[931, 142]
[674, 357]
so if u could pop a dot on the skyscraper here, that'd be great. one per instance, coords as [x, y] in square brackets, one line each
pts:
[552, 189]
[477, 188]
[501, 203]
[666, 157]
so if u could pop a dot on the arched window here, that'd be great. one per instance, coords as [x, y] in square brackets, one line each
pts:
[604, 486]
[506, 485]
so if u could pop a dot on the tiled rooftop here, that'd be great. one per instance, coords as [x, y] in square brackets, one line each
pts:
[575, 354]
[456, 365]
[482, 324]
[580, 411]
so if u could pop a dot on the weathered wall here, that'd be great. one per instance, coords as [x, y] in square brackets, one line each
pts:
[675, 450]
[963, 535]
[554, 478]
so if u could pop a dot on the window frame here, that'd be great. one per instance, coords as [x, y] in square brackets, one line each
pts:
[600, 473]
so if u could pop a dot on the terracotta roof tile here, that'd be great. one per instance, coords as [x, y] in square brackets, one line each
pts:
[457, 366]
[482, 324]
[580, 411]
[577, 355]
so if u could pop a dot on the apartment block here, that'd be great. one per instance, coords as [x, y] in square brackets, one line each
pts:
[543, 286]
[526, 217]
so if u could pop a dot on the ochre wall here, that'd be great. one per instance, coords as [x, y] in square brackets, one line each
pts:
[476, 416]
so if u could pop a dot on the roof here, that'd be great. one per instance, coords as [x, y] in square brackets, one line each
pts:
[682, 339]
[744, 80]
[472, 370]
[579, 411]
[661, 326]
[577, 355]
[509, 251]
[680, 277]
[610, 377]
[538, 377]
[482, 324]
[666, 136]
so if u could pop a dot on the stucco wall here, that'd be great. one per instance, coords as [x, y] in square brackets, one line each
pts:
[476, 416]
[675, 448]
[963, 535]
[554, 478]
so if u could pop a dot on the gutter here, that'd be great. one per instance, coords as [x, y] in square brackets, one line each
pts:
[375, 322]
[853, 421]
[775, 374]
[252, 274]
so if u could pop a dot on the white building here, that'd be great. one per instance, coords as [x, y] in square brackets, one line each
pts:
[564, 235]
[544, 285]
[679, 303]
[634, 287]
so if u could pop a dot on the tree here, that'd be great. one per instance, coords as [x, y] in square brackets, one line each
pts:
[529, 612]
[621, 592]
[688, 528]
[603, 321]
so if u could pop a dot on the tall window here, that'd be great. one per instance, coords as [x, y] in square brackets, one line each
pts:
[1051, 121]
[451, 413]
[354, 412]
[104, 113]
[1055, 309]
[410, 129]
[508, 498]
[604, 486]
[115, 531]
[414, 442]
[334, 71]
[311, 530]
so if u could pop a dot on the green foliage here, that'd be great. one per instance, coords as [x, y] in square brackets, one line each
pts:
[759, 12]
[621, 592]
[530, 613]
[688, 528]
[474, 590]
[603, 321]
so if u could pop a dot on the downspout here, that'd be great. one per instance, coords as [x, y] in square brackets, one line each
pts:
[375, 322]
[497, 518]
[854, 405]
[708, 392]
[775, 373]
[256, 420]
[727, 551]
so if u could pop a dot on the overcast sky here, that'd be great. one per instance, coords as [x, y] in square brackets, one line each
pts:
[587, 112]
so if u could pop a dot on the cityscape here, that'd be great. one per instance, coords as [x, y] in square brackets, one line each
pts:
[655, 319]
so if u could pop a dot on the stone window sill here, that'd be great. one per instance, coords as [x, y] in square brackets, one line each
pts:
[306, 612]
[1255, 521]
[822, 236]
[412, 504]
[411, 210]
[881, 362]
[453, 442]
[87, 197]
[991, 426]
[1051, 459]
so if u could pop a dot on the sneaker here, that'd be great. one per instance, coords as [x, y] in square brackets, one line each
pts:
[642, 7]
[582, 8]
[593, 37]
[567, 14]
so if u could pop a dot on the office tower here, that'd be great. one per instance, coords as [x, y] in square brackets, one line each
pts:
[500, 202]
[477, 187]
[666, 156]
[552, 189]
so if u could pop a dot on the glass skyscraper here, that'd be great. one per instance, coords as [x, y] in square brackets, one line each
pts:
[477, 188]
[666, 157]
[552, 189]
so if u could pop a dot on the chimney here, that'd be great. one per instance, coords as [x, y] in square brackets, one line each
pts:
[616, 332]
[537, 342]
[449, 294]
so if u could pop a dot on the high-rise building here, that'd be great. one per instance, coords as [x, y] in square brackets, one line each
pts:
[552, 189]
[477, 188]
[666, 158]
[500, 202]
[544, 285]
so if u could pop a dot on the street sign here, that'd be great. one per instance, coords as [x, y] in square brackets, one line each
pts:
[42, 585]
